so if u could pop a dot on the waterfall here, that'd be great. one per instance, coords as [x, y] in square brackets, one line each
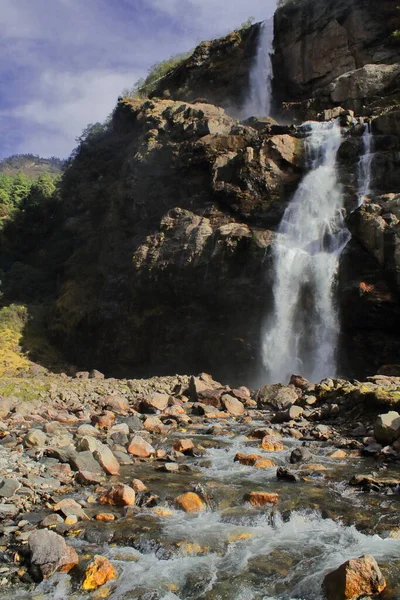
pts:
[301, 334]
[364, 166]
[258, 103]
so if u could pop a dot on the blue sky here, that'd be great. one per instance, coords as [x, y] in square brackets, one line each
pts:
[63, 63]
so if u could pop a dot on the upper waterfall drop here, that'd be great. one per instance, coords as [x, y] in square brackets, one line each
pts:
[258, 103]
[302, 332]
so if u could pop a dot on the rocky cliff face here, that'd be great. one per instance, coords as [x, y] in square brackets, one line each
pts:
[217, 72]
[342, 52]
[171, 212]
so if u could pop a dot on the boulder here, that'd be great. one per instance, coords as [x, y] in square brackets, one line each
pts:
[355, 578]
[98, 572]
[369, 80]
[140, 448]
[155, 402]
[68, 507]
[277, 396]
[183, 446]
[387, 427]
[190, 502]
[301, 454]
[153, 425]
[232, 405]
[270, 443]
[35, 437]
[118, 495]
[261, 498]
[49, 553]
[253, 460]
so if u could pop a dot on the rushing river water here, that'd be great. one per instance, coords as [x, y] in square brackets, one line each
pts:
[234, 551]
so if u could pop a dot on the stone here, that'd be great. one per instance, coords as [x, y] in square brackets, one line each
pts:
[118, 495]
[183, 445]
[95, 374]
[104, 421]
[50, 553]
[85, 462]
[51, 520]
[233, 406]
[140, 448]
[88, 477]
[138, 485]
[262, 498]
[9, 487]
[153, 425]
[98, 572]
[355, 578]
[387, 427]
[337, 454]
[277, 396]
[253, 460]
[190, 502]
[301, 454]
[270, 443]
[106, 459]
[35, 437]
[133, 422]
[106, 517]
[369, 80]
[286, 475]
[155, 402]
[68, 506]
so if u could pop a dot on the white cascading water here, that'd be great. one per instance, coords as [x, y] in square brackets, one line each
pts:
[364, 166]
[301, 334]
[258, 103]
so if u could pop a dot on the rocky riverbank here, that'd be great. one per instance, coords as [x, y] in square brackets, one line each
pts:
[94, 469]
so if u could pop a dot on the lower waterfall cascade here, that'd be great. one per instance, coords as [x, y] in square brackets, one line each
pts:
[364, 167]
[301, 334]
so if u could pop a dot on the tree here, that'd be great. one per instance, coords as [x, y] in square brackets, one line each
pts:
[20, 188]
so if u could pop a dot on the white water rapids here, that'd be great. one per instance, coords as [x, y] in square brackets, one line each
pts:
[258, 103]
[364, 167]
[301, 334]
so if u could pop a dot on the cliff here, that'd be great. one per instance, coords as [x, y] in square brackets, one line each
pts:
[159, 247]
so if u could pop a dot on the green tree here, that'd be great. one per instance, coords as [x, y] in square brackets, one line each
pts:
[20, 188]
[42, 189]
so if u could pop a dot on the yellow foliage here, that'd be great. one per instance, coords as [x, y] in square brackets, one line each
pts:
[12, 321]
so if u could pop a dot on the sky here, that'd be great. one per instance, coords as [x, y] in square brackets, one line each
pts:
[63, 63]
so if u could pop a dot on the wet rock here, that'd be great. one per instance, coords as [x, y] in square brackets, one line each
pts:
[138, 485]
[183, 446]
[98, 572]
[50, 553]
[118, 495]
[140, 448]
[190, 502]
[35, 437]
[387, 427]
[105, 517]
[85, 462]
[277, 396]
[354, 578]
[106, 459]
[261, 498]
[301, 454]
[286, 475]
[232, 405]
[300, 382]
[253, 460]
[271, 443]
[337, 454]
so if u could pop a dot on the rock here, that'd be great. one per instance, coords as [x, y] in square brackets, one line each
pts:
[50, 553]
[190, 502]
[276, 396]
[88, 477]
[183, 446]
[87, 430]
[118, 495]
[105, 517]
[139, 447]
[106, 459]
[104, 421]
[270, 443]
[387, 427]
[94, 374]
[85, 462]
[261, 498]
[9, 487]
[138, 485]
[68, 507]
[133, 422]
[232, 405]
[301, 454]
[155, 402]
[355, 578]
[35, 437]
[286, 475]
[98, 572]
[153, 425]
[253, 460]
[116, 404]
[369, 80]
[300, 382]
[51, 521]
[337, 454]
[8, 511]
